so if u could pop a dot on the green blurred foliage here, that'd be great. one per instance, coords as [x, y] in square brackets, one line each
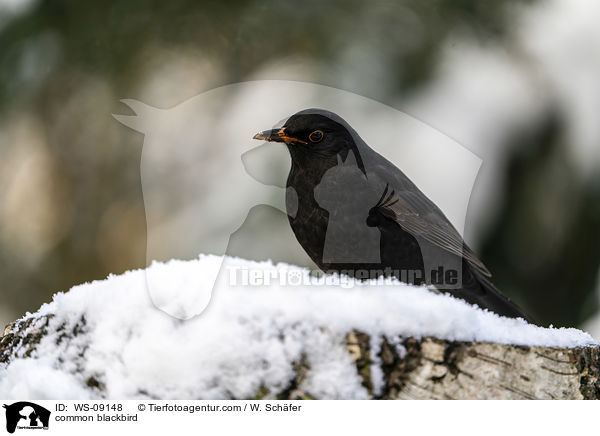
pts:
[65, 64]
[543, 246]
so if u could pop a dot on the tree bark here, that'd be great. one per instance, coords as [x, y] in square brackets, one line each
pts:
[438, 369]
[426, 368]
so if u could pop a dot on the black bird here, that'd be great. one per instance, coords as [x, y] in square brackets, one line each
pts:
[356, 213]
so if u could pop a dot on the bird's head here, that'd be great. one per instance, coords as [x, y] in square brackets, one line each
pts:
[313, 135]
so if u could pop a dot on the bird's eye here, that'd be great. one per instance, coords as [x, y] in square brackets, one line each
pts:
[316, 136]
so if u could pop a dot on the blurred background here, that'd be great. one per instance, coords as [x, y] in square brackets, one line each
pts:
[515, 82]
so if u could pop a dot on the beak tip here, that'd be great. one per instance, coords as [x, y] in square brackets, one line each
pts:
[259, 136]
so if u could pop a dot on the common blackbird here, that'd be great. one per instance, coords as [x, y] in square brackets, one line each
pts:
[356, 213]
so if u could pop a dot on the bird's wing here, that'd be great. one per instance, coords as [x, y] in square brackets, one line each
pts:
[419, 216]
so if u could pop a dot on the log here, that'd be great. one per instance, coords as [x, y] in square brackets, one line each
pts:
[413, 368]
[438, 369]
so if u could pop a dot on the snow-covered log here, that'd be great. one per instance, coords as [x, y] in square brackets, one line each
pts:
[361, 340]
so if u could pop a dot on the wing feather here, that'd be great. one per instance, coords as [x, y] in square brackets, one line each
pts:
[422, 218]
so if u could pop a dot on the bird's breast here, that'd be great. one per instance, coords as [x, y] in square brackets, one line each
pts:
[310, 226]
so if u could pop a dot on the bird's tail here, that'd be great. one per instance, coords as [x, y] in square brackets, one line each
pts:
[478, 289]
[499, 303]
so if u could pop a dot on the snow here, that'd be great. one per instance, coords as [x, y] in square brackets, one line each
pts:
[248, 337]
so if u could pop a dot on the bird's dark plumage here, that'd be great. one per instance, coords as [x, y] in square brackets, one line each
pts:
[355, 212]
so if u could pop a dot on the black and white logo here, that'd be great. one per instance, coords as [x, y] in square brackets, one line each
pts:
[26, 415]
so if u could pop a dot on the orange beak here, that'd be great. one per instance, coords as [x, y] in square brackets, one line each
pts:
[277, 135]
